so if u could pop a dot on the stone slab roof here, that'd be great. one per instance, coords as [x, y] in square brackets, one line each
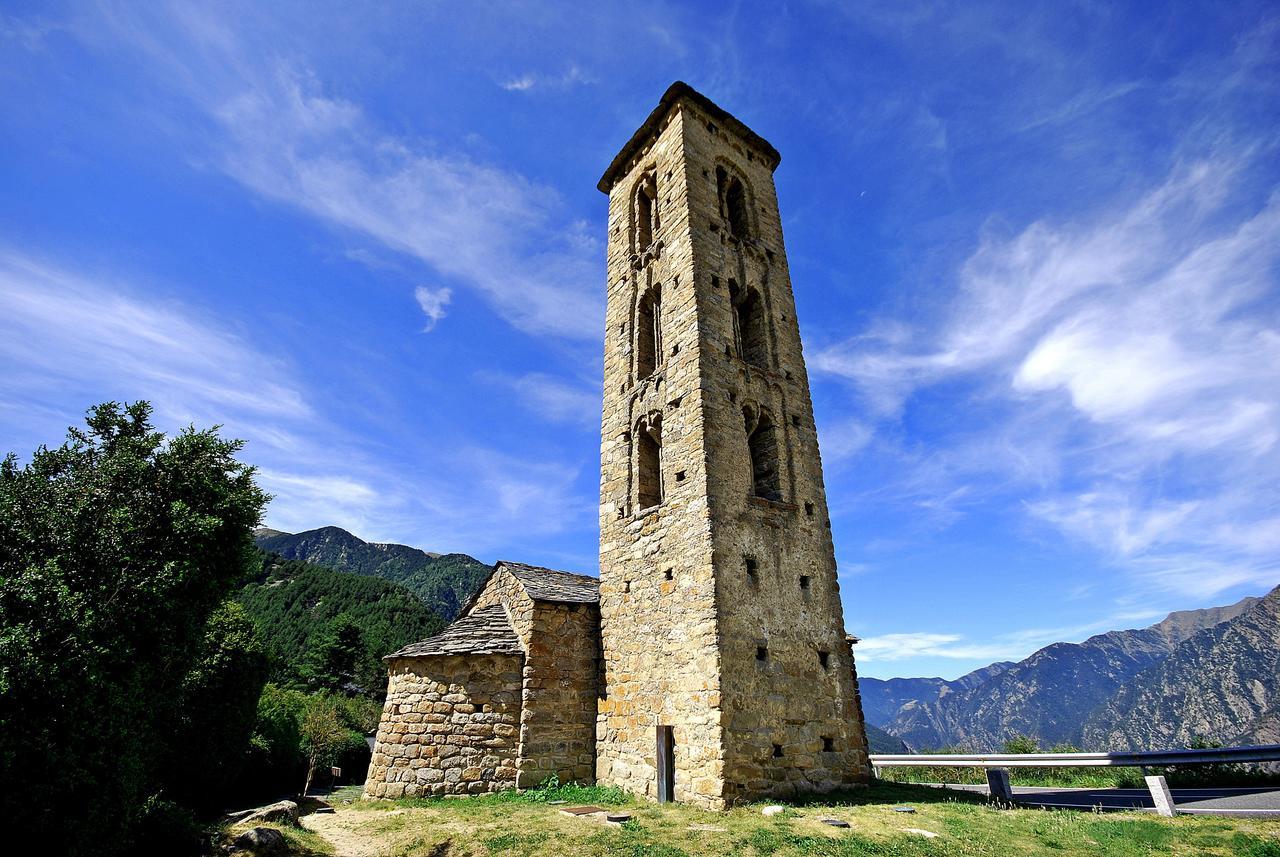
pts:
[547, 584]
[483, 632]
[674, 93]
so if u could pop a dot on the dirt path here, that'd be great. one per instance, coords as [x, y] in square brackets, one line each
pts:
[338, 832]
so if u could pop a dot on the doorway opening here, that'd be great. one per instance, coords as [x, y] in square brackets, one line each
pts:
[666, 765]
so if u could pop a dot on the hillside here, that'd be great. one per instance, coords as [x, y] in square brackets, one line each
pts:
[297, 608]
[1049, 695]
[880, 741]
[443, 582]
[1221, 684]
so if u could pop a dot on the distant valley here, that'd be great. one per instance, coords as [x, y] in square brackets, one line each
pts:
[1198, 675]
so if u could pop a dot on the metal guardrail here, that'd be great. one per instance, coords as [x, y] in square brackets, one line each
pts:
[998, 764]
[1258, 753]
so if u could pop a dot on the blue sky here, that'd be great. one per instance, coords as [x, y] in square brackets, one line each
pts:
[1034, 249]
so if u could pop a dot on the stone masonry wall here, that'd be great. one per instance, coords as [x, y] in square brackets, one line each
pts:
[657, 587]
[558, 722]
[734, 661]
[792, 720]
[450, 726]
[560, 682]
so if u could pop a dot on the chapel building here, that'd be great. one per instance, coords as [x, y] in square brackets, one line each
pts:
[709, 662]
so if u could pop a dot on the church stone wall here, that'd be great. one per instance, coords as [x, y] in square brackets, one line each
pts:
[720, 609]
[792, 721]
[560, 682]
[557, 729]
[451, 725]
[657, 586]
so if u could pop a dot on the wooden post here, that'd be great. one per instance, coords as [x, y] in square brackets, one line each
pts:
[1161, 795]
[666, 765]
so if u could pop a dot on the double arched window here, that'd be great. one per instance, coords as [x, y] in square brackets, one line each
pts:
[644, 213]
[763, 442]
[648, 448]
[750, 332]
[648, 328]
[734, 204]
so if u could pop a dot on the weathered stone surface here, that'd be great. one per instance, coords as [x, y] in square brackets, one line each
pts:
[720, 608]
[717, 612]
[261, 841]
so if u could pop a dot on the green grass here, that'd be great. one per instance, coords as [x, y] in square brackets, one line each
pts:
[524, 825]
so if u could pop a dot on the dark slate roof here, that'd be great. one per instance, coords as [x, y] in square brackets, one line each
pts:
[674, 93]
[483, 632]
[546, 584]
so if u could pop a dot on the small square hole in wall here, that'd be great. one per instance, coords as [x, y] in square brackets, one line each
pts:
[808, 509]
[715, 282]
[828, 744]
[669, 574]
[749, 563]
[733, 398]
[824, 659]
[625, 436]
[680, 475]
[795, 421]
[481, 708]
[706, 174]
[804, 581]
[626, 586]
[675, 349]
[777, 751]
[788, 375]
[762, 653]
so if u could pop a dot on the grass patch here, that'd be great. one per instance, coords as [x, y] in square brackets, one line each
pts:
[525, 825]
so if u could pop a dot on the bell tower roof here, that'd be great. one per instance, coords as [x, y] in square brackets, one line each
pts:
[675, 92]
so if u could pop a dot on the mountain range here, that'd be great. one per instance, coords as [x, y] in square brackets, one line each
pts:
[443, 582]
[1197, 675]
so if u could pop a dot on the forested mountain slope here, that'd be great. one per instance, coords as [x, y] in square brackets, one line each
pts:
[443, 582]
[325, 627]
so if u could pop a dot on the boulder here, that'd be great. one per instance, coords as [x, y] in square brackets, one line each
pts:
[261, 841]
[284, 812]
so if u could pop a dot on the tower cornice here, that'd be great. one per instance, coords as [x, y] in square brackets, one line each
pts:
[675, 93]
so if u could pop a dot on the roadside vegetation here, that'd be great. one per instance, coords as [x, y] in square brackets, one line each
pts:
[134, 696]
[530, 825]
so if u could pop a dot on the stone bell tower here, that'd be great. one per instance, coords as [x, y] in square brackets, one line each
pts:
[728, 675]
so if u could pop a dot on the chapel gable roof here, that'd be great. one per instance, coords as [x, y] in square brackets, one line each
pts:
[482, 632]
[547, 584]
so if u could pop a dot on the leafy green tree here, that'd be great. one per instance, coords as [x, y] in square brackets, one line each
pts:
[335, 655]
[1021, 745]
[115, 549]
[219, 699]
[323, 735]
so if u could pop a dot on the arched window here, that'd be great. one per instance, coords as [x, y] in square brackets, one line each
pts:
[646, 211]
[733, 203]
[750, 332]
[649, 461]
[648, 332]
[762, 441]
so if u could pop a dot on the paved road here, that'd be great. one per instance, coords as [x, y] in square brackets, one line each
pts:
[1255, 802]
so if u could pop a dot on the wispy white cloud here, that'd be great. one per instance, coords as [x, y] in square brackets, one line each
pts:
[570, 77]
[272, 126]
[76, 332]
[1134, 356]
[552, 398]
[1009, 646]
[432, 303]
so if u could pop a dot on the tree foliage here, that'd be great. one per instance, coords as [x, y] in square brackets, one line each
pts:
[328, 630]
[115, 550]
